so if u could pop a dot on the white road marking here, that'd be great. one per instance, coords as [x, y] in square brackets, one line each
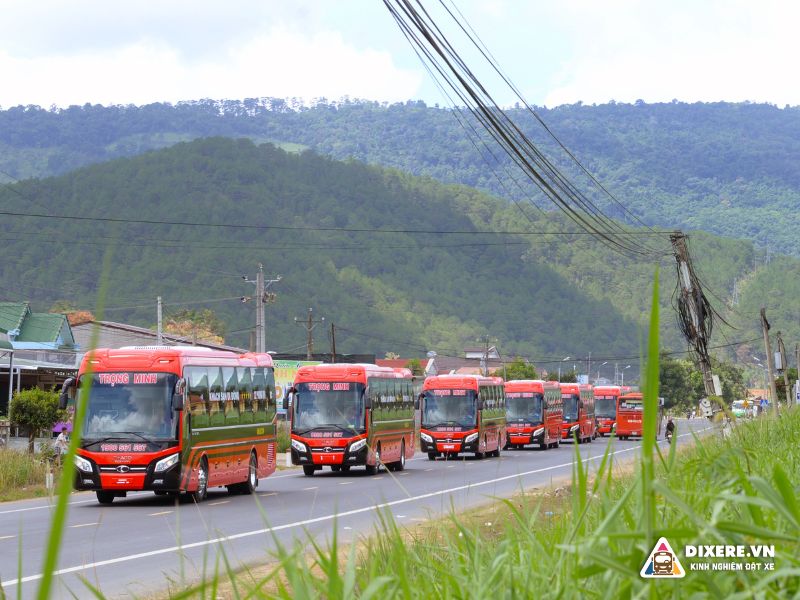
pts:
[311, 488]
[52, 506]
[268, 494]
[345, 482]
[7, 537]
[401, 516]
[163, 512]
[305, 523]
[426, 470]
[218, 503]
[83, 525]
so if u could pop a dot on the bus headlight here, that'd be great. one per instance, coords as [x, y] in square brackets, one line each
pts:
[82, 464]
[356, 446]
[538, 431]
[613, 426]
[471, 437]
[299, 446]
[426, 438]
[574, 428]
[166, 463]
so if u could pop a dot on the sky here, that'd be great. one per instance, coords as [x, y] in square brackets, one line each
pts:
[56, 53]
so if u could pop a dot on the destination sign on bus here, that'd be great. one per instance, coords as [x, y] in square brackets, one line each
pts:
[128, 378]
[327, 386]
[449, 392]
[521, 394]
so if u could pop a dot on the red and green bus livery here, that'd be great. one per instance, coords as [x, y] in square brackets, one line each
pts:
[630, 415]
[346, 415]
[578, 405]
[605, 407]
[173, 419]
[533, 413]
[462, 414]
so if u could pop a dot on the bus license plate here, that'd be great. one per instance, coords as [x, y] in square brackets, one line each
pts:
[448, 446]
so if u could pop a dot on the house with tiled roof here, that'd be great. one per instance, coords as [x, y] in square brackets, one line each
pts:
[42, 346]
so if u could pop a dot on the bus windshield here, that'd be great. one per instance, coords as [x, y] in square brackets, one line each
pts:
[449, 407]
[631, 404]
[329, 405]
[524, 406]
[570, 407]
[605, 406]
[122, 404]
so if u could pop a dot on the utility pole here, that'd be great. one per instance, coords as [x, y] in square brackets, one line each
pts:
[333, 342]
[785, 369]
[770, 364]
[262, 297]
[160, 331]
[695, 312]
[616, 373]
[310, 323]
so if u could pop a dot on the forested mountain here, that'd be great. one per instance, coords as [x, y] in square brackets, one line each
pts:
[543, 295]
[385, 291]
[730, 169]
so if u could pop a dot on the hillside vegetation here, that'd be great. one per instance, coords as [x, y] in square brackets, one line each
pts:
[725, 168]
[543, 296]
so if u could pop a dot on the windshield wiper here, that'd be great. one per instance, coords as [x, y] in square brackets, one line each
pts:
[117, 438]
[326, 425]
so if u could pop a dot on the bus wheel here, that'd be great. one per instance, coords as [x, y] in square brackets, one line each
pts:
[249, 486]
[104, 497]
[432, 455]
[202, 482]
[345, 468]
[308, 470]
[496, 453]
[401, 464]
[336, 468]
[373, 469]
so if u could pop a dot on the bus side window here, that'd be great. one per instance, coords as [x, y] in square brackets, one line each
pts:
[231, 394]
[215, 392]
[245, 395]
[260, 394]
[197, 380]
[271, 402]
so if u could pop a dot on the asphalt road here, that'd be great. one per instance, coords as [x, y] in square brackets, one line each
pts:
[140, 543]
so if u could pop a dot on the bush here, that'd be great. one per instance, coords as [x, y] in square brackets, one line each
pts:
[36, 409]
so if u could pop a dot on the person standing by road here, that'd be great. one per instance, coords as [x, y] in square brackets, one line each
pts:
[62, 444]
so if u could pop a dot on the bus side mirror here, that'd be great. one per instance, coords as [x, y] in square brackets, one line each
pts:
[177, 397]
[67, 392]
[367, 399]
[418, 402]
[290, 391]
[480, 403]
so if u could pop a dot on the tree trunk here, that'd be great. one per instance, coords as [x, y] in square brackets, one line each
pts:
[31, 440]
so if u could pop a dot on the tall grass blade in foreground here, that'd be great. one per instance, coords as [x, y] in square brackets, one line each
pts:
[65, 482]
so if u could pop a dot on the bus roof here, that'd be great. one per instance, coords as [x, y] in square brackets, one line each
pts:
[359, 372]
[472, 382]
[607, 390]
[575, 388]
[530, 385]
[632, 396]
[170, 359]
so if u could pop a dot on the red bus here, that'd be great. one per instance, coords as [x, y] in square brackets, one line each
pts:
[578, 406]
[462, 413]
[346, 415]
[605, 407]
[533, 413]
[630, 413]
[173, 419]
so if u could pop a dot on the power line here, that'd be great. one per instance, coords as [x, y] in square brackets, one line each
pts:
[311, 228]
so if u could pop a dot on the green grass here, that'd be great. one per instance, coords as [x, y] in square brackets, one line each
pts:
[22, 475]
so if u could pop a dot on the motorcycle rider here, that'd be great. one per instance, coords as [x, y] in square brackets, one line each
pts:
[670, 428]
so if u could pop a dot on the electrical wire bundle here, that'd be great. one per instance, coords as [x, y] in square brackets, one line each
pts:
[451, 72]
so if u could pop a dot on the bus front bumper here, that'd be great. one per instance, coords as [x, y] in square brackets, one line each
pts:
[318, 457]
[112, 478]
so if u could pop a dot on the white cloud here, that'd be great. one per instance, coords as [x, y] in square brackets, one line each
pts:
[279, 63]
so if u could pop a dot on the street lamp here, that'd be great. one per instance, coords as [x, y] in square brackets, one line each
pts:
[622, 373]
[559, 367]
[598, 371]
